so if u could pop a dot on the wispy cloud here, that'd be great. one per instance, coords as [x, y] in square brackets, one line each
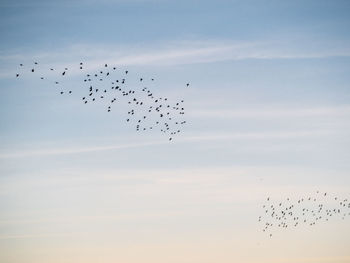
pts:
[67, 3]
[168, 53]
[187, 139]
[282, 112]
[31, 236]
[77, 150]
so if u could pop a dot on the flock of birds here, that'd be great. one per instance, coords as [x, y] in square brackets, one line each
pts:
[145, 111]
[309, 210]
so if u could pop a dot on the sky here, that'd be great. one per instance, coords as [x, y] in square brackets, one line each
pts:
[267, 112]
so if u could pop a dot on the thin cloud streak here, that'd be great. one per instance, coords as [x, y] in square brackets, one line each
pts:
[63, 151]
[167, 54]
[343, 110]
[30, 236]
[197, 138]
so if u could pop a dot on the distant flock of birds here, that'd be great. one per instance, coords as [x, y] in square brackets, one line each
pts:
[308, 210]
[146, 110]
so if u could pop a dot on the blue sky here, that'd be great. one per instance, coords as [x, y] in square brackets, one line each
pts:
[267, 115]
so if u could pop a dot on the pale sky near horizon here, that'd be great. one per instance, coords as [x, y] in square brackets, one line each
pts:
[267, 111]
